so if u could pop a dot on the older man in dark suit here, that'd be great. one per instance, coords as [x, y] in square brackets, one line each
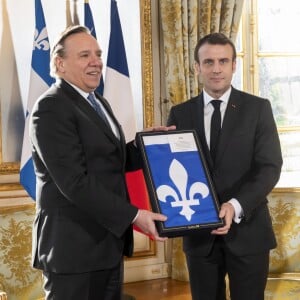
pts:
[83, 225]
[241, 145]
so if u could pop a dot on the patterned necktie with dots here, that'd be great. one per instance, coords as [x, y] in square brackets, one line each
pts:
[92, 99]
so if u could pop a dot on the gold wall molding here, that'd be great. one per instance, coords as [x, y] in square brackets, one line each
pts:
[286, 190]
[147, 62]
[10, 187]
[9, 168]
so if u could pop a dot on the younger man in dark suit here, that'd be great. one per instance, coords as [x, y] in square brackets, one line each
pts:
[83, 225]
[244, 159]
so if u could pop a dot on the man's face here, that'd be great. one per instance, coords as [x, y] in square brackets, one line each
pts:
[82, 64]
[215, 68]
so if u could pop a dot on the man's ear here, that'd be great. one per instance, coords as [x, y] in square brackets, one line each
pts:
[197, 68]
[234, 66]
[59, 61]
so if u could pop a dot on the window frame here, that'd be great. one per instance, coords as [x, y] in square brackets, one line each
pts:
[250, 55]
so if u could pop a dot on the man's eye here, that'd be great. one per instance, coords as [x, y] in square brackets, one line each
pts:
[224, 61]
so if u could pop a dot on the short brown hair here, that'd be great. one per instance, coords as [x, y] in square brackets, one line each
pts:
[216, 38]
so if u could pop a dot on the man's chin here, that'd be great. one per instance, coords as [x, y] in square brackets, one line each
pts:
[94, 86]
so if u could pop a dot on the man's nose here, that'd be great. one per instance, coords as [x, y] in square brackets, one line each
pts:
[217, 68]
[96, 60]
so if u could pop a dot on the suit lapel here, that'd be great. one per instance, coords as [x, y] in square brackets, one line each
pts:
[197, 117]
[91, 114]
[122, 141]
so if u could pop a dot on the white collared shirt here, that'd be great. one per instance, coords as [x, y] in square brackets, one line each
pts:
[208, 111]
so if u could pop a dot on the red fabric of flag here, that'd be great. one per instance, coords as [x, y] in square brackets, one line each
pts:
[138, 192]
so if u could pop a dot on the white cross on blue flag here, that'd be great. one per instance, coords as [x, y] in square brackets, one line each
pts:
[40, 80]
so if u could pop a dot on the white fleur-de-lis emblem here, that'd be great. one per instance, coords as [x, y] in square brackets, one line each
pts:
[41, 40]
[179, 176]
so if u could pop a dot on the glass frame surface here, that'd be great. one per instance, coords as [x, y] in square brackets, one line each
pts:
[178, 182]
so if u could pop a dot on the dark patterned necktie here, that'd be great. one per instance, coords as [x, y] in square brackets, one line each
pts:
[92, 99]
[215, 127]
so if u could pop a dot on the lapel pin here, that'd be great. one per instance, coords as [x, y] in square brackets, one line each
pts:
[233, 106]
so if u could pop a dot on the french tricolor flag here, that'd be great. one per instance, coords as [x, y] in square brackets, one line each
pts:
[117, 89]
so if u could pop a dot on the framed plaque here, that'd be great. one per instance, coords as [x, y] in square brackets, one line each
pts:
[178, 182]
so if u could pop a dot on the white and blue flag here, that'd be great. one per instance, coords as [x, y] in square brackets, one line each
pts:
[180, 180]
[40, 80]
[117, 87]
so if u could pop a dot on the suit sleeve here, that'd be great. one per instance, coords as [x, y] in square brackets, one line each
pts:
[266, 163]
[133, 159]
[171, 118]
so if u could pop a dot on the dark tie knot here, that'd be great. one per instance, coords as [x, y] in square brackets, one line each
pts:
[216, 103]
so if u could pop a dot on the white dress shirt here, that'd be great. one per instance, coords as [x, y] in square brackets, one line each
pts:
[208, 111]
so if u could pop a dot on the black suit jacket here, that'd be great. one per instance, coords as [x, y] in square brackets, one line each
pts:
[247, 167]
[83, 220]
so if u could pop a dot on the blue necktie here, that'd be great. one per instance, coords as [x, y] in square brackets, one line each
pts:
[215, 127]
[97, 107]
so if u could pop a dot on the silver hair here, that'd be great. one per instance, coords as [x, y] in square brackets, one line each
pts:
[58, 49]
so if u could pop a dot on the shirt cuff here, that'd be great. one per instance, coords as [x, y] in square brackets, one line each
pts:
[136, 216]
[238, 210]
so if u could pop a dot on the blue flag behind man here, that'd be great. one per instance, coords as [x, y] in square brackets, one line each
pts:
[89, 23]
[40, 80]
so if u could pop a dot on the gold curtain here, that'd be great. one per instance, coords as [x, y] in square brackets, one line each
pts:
[179, 36]
[183, 23]
[219, 16]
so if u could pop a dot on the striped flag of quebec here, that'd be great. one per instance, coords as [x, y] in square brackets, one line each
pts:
[40, 80]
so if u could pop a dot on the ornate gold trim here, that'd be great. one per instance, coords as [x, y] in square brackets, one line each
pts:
[292, 276]
[16, 208]
[10, 187]
[147, 62]
[9, 168]
[147, 87]
[286, 190]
